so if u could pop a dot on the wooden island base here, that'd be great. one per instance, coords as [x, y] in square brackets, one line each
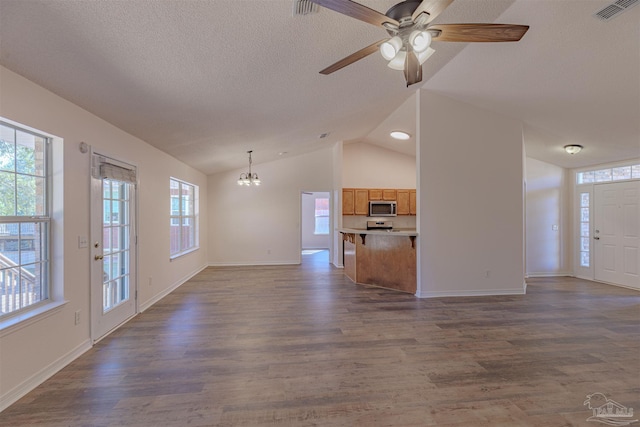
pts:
[383, 259]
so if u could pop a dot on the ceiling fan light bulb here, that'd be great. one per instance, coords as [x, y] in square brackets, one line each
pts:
[397, 63]
[420, 40]
[423, 56]
[390, 48]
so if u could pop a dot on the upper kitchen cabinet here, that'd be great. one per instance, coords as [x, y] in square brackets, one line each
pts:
[402, 198]
[389, 194]
[348, 201]
[355, 201]
[375, 194]
[412, 202]
[361, 201]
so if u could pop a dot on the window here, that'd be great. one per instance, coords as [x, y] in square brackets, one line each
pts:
[609, 174]
[584, 229]
[322, 216]
[183, 214]
[24, 219]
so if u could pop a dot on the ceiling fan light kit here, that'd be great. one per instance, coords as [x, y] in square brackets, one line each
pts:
[409, 25]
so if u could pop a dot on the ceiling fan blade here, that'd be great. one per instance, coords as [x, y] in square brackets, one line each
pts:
[356, 56]
[432, 7]
[412, 69]
[479, 32]
[357, 11]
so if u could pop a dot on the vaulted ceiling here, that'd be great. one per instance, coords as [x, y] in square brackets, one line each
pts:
[208, 80]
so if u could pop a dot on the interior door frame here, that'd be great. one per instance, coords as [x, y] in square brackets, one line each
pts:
[93, 212]
[331, 222]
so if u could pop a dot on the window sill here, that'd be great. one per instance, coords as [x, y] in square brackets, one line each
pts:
[178, 255]
[320, 234]
[17, 322]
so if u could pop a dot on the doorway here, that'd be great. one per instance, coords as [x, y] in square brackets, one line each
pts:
[315, 221]
[616, 233]
[113, 244]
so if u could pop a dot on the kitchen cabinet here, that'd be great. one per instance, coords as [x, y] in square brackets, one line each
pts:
[402, 199]
[412, 202]
[361, 201]
[355, 201]
[375, 194]
[348, 201]
[389, 194]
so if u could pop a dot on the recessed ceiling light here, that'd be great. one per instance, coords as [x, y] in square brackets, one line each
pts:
[398, 134]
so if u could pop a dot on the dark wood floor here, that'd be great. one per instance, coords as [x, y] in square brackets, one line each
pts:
[303, 346]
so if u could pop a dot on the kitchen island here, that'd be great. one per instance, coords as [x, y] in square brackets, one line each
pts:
[385, 258]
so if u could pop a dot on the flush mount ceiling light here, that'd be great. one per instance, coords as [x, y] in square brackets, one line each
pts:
[249, 178]
[398, 134]
[573, 148]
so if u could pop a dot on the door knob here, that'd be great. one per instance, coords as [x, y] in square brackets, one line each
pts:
[98, 257]
[596, 238]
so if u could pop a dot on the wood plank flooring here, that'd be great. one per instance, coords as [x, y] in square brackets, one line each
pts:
[304, 346]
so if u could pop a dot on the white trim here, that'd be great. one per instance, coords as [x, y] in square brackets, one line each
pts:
[147, 304]
[550, 274]
[27, 318]
[618, 285]
[250, 264]
[180, 254]
[13, 395]
[471, 293]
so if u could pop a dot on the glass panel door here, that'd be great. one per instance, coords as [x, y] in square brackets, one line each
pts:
[113, 255]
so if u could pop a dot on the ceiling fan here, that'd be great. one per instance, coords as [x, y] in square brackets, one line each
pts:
[409, 24]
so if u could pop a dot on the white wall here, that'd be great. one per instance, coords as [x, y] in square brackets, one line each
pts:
[470, 200]
[311, 240]
[28, 355]
[548, 205]
[261, 225]
[371, 166]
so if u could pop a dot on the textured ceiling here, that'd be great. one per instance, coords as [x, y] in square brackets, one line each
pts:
[206, 81]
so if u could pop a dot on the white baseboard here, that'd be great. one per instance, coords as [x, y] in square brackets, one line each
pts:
[252, 264]
[144, 306]
[470, 293]
[546, 274]
[41, 376]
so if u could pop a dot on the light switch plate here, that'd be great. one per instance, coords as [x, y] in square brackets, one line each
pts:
[83, 242]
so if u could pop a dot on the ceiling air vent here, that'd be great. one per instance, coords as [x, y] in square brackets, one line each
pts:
[304, 7]
[614, 9]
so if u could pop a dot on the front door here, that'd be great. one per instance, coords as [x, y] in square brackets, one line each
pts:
[616, 233]
[113, 278]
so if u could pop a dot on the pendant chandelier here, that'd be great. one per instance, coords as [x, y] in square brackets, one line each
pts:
[249, 178]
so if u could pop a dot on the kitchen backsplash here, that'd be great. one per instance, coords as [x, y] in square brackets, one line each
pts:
[360, 221]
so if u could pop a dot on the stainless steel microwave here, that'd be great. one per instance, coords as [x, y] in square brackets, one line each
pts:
[382, 208]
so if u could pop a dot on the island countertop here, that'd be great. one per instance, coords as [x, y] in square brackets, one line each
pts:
[394, 232]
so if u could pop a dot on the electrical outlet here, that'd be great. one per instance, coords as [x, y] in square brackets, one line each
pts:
[554, 227]
[77, 318]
